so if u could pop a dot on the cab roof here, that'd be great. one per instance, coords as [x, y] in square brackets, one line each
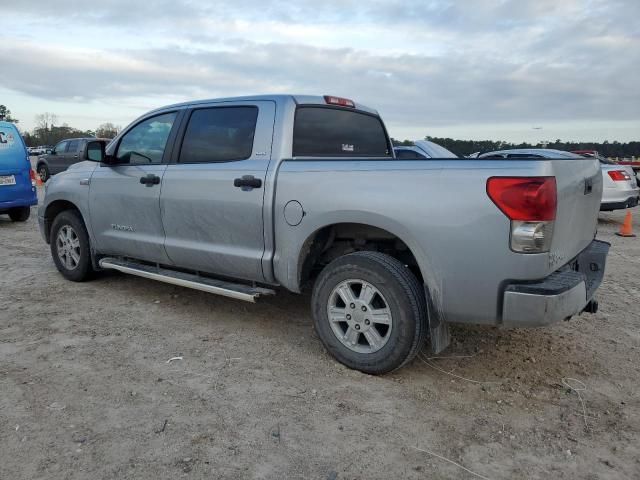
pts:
[278, 98]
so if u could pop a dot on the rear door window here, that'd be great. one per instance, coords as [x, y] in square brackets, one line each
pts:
[219, 134]
[338, 132]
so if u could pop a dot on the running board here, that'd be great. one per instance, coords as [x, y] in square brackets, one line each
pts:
[188, 280]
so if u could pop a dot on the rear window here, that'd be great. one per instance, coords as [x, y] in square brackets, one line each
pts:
[10, 141]
[337, 132]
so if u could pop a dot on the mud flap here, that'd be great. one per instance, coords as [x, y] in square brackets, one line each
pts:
[438, 328]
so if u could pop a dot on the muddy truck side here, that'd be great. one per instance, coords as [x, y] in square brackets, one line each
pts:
[240, 196]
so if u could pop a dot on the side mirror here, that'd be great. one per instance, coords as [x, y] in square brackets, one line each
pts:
[94, 151]
[53, 152]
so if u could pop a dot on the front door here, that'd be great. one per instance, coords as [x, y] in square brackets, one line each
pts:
[73, 153]
[213, 190]
[57, 158]
[124, 198]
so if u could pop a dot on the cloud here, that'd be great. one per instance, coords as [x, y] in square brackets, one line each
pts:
[425, 62]
[411, 87]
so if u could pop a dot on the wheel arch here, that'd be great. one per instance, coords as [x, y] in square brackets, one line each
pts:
[330, 240]
[53, 209]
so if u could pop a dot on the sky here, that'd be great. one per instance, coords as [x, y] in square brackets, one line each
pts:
[514, 70]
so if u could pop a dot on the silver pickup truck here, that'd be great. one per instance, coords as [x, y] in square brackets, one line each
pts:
[239, 196]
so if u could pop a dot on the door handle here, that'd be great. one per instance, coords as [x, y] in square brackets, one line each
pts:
[247, 182]
[150, 180]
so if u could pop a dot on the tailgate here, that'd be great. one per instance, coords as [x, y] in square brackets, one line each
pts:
[579, 184]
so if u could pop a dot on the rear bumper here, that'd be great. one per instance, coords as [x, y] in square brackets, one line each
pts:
[621, 205]
[561, 295]
[18, 202]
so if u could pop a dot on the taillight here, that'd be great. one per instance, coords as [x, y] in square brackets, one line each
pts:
[343, 102]
[530, 203]
[619, 175]
[32, 175]
[524, 198]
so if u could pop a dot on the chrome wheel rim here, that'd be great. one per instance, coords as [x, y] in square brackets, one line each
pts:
[68, 247]
[42, 173]
[359, 316]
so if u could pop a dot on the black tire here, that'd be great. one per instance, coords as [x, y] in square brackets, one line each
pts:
[404, 296]
[20, 214]
[83, 269]
[43, 172]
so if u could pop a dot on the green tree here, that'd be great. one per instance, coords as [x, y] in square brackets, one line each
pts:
[107, 130]
[5, 114]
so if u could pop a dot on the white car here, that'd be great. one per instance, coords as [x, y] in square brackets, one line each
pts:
[423, 149]
[620, 188]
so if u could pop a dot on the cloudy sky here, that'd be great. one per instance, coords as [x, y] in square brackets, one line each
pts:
[461, 68]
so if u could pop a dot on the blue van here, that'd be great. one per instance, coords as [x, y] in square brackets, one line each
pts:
[17, 180]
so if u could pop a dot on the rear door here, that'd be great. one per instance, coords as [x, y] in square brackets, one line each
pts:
[213, 191]
[124, 199]
[15, 181]
[72, 156]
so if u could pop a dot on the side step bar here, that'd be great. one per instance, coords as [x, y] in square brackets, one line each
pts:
[205, 284]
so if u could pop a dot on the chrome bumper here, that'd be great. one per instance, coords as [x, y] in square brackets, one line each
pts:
[561, 295]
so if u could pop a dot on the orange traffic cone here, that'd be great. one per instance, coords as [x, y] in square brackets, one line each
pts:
[626, 228]
[38, 180]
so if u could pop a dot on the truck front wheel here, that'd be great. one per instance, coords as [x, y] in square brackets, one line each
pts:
[370, 312]
[70, 246]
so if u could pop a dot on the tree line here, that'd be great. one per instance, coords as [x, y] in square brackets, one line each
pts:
[49, 130]
[466, 147]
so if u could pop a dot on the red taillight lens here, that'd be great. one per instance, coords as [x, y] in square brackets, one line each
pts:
[619, 175]
[530, 199]
[343, 102]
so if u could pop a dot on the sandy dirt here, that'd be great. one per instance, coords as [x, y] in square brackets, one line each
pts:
[86, 390]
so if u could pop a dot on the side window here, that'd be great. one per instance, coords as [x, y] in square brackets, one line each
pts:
[145, 143]
[73, 146]
[61, 147]
[219, 134]
[524, 155]
[409, 154]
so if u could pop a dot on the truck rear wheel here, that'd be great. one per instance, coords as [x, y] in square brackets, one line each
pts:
[370, 312]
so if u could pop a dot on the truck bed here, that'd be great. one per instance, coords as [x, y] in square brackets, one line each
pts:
[440, 209]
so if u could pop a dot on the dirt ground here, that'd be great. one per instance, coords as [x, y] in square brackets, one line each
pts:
[86, 390]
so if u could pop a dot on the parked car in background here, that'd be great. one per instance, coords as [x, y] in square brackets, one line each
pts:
[17, 179]
[422, 149]
[239, 196]
[633, 168]
[62, 156]
[620, 188]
